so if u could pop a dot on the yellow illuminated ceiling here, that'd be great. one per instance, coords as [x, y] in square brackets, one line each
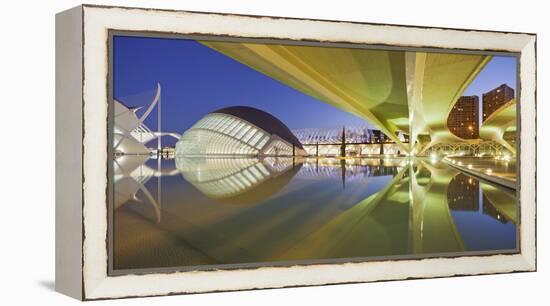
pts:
[502, 120]
[411, 92]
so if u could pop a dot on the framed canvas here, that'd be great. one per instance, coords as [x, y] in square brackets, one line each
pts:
[200, 152]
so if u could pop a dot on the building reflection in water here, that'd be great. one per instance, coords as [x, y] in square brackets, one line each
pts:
[463, 193]
[238, 180]
[294, 209]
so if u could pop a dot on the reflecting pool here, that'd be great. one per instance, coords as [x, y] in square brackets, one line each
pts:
[218, 211]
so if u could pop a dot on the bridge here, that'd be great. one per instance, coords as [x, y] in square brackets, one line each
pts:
[130, 177]
[348, 141]
[397, 91]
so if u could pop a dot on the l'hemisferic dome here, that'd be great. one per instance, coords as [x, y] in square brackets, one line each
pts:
[239, 131]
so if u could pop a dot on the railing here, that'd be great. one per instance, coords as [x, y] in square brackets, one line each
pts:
[486, 148]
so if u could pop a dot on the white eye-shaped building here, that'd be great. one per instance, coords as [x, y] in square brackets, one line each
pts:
[239, 131]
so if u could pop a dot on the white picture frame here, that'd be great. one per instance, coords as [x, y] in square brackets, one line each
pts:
[82, 36]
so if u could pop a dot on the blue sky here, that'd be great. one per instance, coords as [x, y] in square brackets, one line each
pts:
[196, 80]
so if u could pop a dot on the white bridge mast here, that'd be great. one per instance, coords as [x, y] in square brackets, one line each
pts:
[159, 125]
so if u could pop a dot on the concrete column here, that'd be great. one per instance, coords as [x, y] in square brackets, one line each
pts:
[343, 145]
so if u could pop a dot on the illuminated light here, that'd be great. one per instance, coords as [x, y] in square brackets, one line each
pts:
[470, 166]
[489, 171]
[460, 163]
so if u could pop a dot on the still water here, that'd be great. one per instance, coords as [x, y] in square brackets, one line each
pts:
[215, 211]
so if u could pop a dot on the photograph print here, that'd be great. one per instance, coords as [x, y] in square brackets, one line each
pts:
[228, 153]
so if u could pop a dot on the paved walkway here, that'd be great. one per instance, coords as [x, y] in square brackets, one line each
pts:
[497, 170]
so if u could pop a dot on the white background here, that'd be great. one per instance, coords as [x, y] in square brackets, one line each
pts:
[27, 153]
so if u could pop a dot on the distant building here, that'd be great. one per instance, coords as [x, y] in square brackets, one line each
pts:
[352, 135]
[496, 98]
[239, 131]
[464, 117]
[348, 141]
[131, 135]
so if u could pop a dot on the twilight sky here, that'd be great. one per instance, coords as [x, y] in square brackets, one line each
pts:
[196, 80]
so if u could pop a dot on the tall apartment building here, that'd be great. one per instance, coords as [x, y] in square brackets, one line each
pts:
[496, 98]
[463, 120]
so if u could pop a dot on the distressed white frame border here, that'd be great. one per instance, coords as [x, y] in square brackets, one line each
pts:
[98, 20]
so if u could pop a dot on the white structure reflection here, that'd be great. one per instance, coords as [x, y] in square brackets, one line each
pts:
[239, 131]
[222, 178]
[130, 176]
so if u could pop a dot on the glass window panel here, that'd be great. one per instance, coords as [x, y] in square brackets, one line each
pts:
[233, 186]
[232, 127]
[256, 137]
[242, 179]
[219, 123]
[242, 129]
[208, 123]
[214, 121]
[230, 123]
[256, 173]
[227, 125]
[263, 142]
[262, 169]
[249, 176]
[249, 134]
[237, 182]
[236, 129]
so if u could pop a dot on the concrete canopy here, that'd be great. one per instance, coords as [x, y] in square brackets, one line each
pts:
[411, 92]
[502, 120]
[368, 83]
[438, 80]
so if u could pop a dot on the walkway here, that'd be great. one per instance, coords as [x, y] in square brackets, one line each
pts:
[501, 171]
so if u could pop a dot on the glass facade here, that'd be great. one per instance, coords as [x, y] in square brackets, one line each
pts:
[353, 134]
[221, 134]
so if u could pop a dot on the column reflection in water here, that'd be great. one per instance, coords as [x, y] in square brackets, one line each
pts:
[250, 210]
